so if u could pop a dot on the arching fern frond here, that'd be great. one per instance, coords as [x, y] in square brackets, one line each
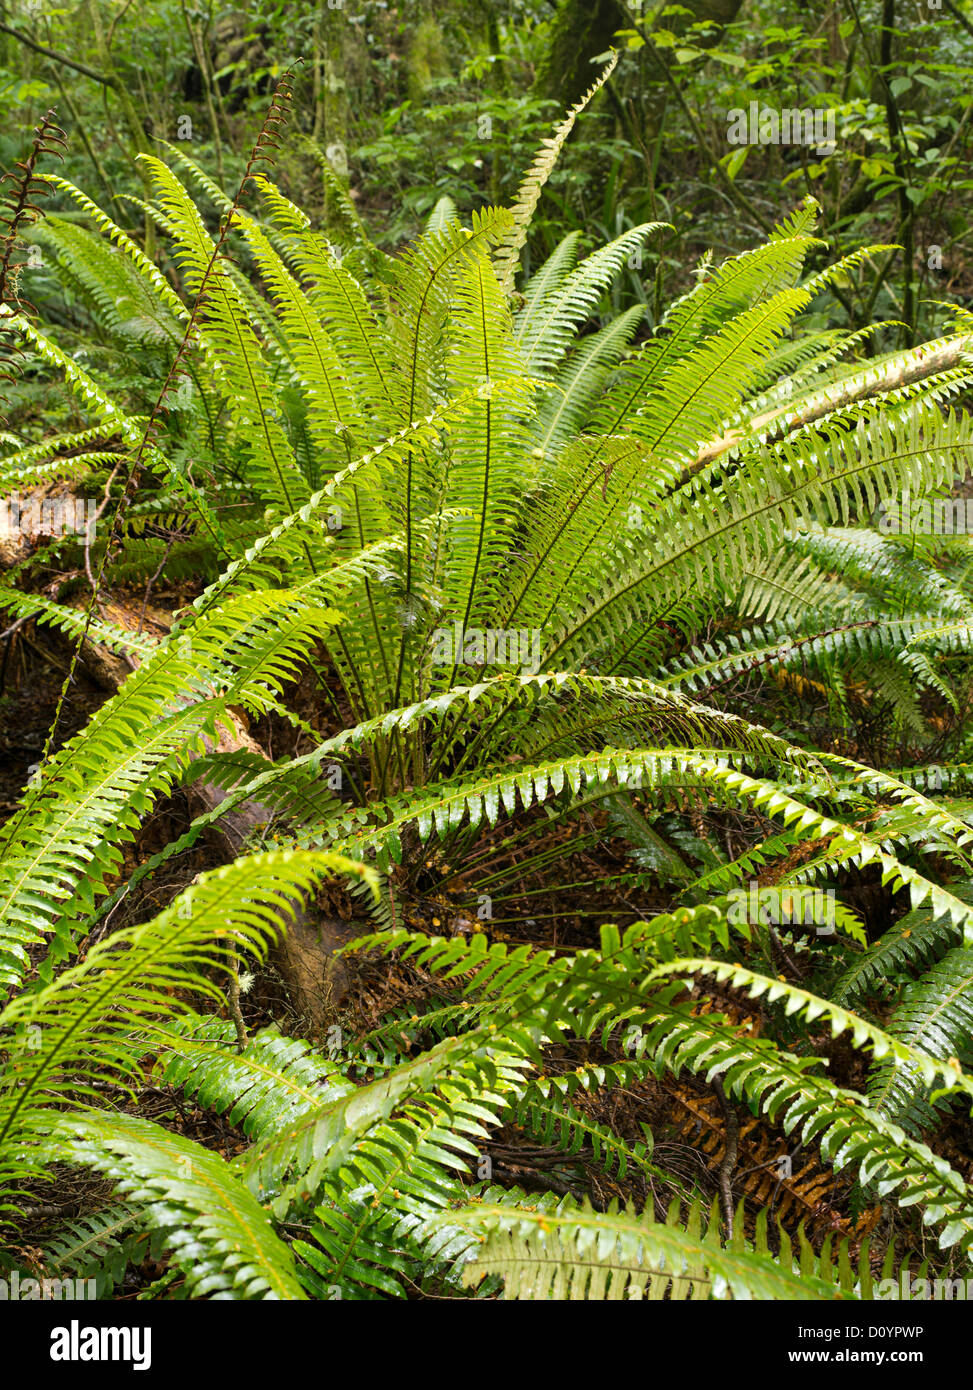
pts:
[579, 1253]
[220, 1236]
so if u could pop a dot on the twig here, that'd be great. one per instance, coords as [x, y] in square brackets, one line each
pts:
[729, 1155]
[148, 588]
[89, 530]
[958, 14]
[114, 24]
[777, 947]
[927, 360]
[9, 631]
[233, 1001]
[21, 37]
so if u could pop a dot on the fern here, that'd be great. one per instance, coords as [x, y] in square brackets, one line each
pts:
[586, 1254]
[413, 454]
[218, 1231]
[101, 1247]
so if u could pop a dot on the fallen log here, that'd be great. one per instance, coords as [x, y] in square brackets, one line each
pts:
[315, 979]
[906, 369]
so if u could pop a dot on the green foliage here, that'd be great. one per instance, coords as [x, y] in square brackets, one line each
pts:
[420, 461]
[586, 1254]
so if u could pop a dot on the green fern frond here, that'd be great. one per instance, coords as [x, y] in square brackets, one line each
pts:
[580, 1253]
[260, 1089]
[528, 195]
[219, 1234]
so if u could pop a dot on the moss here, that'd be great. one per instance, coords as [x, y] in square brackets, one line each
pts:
[427, 58]
[580, 31]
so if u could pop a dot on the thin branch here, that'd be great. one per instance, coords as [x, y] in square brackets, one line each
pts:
[21, 37]
[728, 1164]
[958, 14]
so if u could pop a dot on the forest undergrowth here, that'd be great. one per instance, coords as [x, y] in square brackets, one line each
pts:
[487, 804]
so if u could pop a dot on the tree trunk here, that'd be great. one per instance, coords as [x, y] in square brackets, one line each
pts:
[582, 29]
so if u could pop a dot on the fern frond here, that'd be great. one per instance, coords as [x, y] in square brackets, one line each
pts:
[579, 1253]
[528, 195]
[261, 1088]
[219, 1234]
